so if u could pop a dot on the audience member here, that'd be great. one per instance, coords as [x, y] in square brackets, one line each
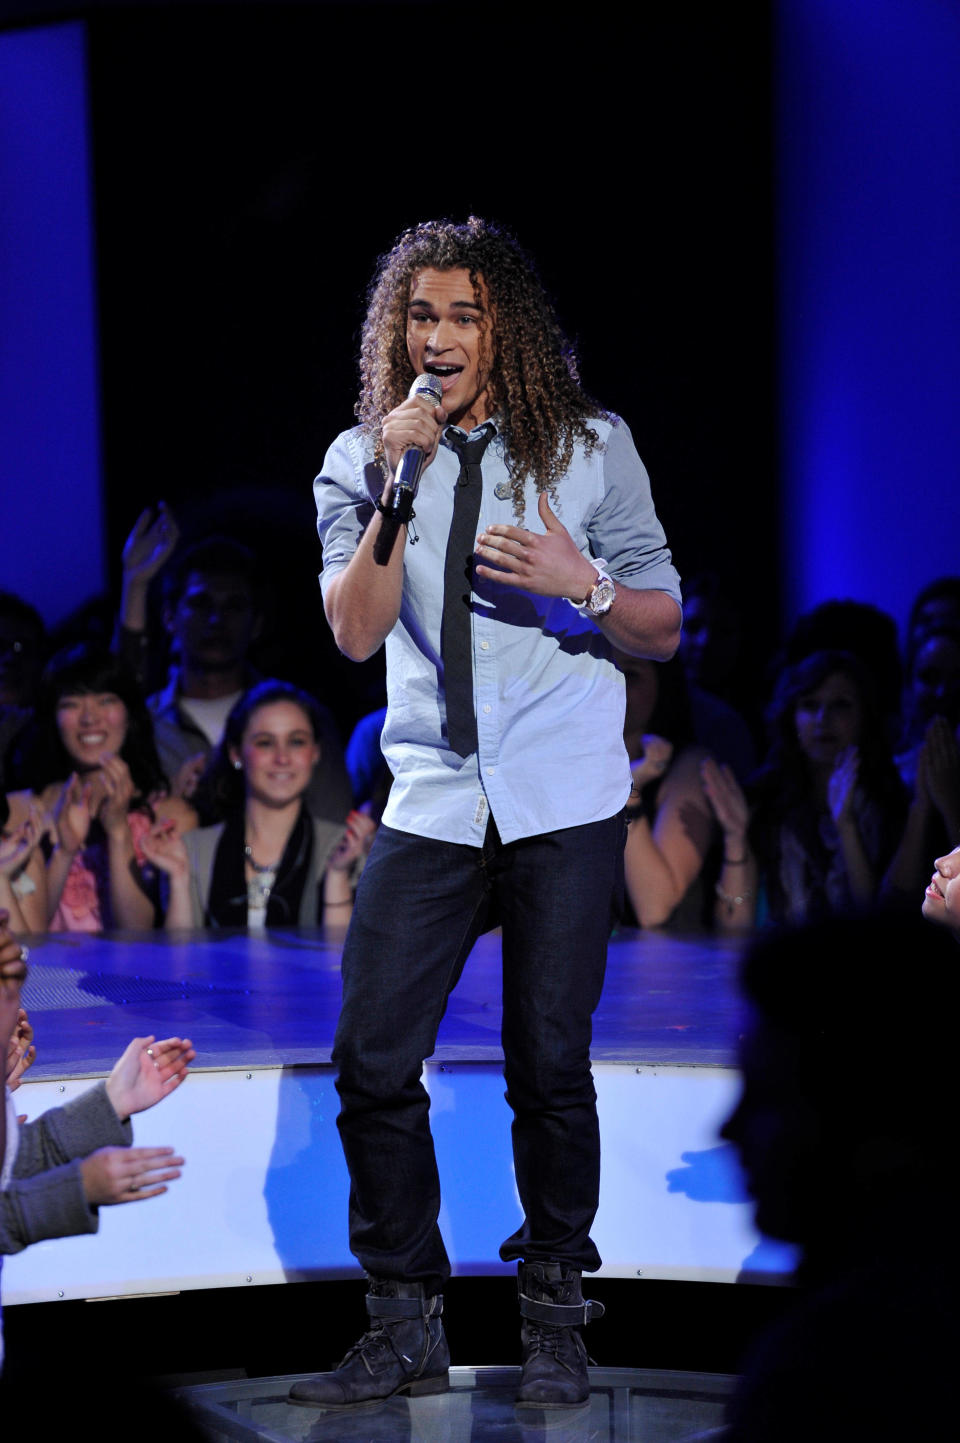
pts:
[828, 805]
[843, 1128]
[22, 870]
[929, 761]
[938, 604]
[96, 773]
[711, 653]
[58, 1171]
[270, 863]
[212, 615]
[670, 824]
[865, 632]
[941, 900]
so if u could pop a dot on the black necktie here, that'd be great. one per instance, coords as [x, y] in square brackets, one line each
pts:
[455, 637]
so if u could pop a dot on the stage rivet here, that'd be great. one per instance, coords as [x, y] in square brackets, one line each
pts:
[61, 1088]
[249, 1277]
[249, 1076]
[59, 1292]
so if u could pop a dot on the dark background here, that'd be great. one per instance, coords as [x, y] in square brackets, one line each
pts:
[251, 163]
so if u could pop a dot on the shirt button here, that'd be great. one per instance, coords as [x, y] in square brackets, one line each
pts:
[484, 646]
[490, 771]
[486, 710]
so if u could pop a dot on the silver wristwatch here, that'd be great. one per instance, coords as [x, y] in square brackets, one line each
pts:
[601, 595]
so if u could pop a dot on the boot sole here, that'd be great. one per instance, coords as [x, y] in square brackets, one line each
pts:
[416, 1388]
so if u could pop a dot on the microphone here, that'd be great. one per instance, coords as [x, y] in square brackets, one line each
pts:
[407, 478]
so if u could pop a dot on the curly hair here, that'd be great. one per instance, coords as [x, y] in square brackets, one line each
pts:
[534, 386]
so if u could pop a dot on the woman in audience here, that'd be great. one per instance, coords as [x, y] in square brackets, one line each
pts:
[929, 759]
[270, 863]
[828, 804]
[98, 784]
[670, 824]
[22, 871]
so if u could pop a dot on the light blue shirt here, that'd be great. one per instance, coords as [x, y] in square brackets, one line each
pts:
[549, 697]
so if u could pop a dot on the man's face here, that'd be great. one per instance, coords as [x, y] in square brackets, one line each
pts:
[449, 336]
[214, 621]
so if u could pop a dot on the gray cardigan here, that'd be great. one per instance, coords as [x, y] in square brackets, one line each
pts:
[202, 846]
[45, 1196]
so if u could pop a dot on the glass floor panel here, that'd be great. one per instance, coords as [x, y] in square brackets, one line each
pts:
[626, 1406]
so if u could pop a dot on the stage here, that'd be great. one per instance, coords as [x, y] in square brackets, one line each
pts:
[263, 1195]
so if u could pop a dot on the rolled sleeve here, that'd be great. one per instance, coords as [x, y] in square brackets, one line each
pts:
[343, 497]
[624, 529]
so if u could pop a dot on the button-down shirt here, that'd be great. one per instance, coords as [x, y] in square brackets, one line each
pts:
[549, 697]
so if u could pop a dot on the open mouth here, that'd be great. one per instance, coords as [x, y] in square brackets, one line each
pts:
[446, 375]
[92, 739]
[933, 890]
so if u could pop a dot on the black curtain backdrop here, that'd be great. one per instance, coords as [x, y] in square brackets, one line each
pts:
[252, 161]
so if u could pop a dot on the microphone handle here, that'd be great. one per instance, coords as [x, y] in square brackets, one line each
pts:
[406, 483]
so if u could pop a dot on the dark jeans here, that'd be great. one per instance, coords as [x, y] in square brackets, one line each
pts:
[420, 906]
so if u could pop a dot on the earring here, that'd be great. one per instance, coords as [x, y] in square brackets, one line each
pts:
[238, 766]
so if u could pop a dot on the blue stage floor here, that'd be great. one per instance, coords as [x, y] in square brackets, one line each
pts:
[272, 1001]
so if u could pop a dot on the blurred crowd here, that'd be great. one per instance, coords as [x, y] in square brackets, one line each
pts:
[159, 778]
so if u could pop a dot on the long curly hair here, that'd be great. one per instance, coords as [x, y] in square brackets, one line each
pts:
[534, 386]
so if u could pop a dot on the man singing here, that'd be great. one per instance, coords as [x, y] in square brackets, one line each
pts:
[535, 547]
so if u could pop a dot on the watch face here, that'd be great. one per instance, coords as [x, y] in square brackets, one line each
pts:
[601, 598]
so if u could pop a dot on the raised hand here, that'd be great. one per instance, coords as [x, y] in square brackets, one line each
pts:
[17, 846]
[413, 423]
[149, 545]
[21, 1053]
[148, 1072]
[117, 789]
[842, 785]
[188, 774]
[726, 797]
[940, 761]
[128, 1174]
[355, 842]
[656, 759]
[163, 847]
[547, 564]
[73, 812]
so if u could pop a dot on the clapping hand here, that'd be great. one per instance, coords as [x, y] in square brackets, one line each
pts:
[115, 784]
[163, 847]
[128, 1174]
[355, 842]
[147, 1072]
[73, 812]
[726, 797]
[938, 767]
[16, 846]
[21, 1052]
[842, 785]
[656, 759]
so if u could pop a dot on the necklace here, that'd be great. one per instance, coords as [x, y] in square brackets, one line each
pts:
[267, 867]
[259, 887]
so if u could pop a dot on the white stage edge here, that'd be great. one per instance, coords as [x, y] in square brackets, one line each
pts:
[263, 1197]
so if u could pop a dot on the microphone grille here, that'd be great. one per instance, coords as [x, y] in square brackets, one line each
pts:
[429, 387]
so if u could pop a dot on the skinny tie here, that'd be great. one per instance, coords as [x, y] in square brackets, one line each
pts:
[455, 631]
